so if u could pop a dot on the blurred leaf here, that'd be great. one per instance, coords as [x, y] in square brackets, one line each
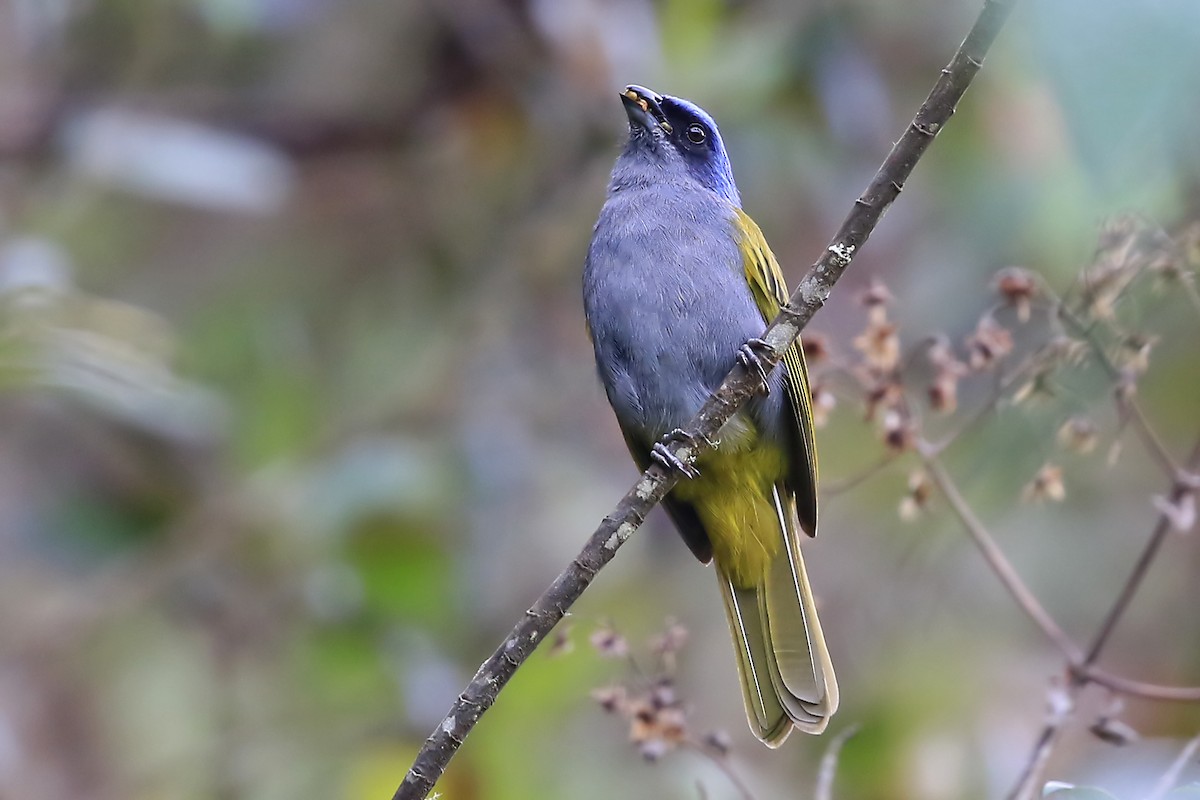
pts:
[179, 161]
[375, 772]
[1076, 793]
[95, 526]
[340, 667]
[380, 476]
[691, 26]
[405, 572]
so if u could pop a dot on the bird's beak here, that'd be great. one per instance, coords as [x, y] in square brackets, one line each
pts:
[644, 108]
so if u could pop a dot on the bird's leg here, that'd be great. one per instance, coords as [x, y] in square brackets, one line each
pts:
[663, 455]
[748, 356]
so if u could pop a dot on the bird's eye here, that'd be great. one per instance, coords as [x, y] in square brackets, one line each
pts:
[696, 133]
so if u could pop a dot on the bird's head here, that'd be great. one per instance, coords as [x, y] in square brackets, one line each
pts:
[671, 139]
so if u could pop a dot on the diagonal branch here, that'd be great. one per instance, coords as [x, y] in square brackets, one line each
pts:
[738, 386]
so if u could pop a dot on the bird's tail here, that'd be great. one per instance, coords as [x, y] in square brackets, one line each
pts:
[787, 677]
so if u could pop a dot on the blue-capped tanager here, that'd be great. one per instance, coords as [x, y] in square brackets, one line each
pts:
[678, 284]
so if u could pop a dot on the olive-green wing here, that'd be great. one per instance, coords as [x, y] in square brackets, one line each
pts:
[770, 292]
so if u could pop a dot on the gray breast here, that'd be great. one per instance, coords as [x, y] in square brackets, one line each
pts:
[667, 303]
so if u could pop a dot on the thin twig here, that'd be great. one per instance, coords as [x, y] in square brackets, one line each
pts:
[1003, 383]
[1027, 784]
[1171, 776]
[829, 762]
[834, 488]
[737, 387]
[995, 556]
[1134, 582]
[1189, 288]
[1150, 440]
[1077, 662]
[722, 764]
[1146, 691]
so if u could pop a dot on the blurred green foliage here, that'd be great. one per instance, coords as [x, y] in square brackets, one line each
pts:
[297, 413]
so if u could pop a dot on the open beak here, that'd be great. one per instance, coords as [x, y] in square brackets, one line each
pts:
[644, 108]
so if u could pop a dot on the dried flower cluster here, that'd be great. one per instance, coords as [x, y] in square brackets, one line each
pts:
[947, 371]
[608, 643]
[649, 701]
[879, 343]
[989, 344]
[1078, 435]
[1129, 247]
[879, 369]
[916, 499]
[657, 720]
[1060, 338]
[1047, 484]
[1018, 287]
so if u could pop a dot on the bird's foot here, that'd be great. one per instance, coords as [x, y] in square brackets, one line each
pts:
[749, 356]
[662, 454]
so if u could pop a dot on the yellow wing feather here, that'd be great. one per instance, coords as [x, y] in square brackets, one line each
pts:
[769, 289]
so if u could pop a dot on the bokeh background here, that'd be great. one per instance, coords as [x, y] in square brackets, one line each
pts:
[298, 414]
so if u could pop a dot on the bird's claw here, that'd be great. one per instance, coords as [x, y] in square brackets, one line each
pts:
[748, 356]
[661, 452]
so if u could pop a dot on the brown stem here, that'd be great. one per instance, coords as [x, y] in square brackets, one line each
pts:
[1134, 582]
[524, 638]
[1150, 440]
[1146, 691]
[737, 387]
[995, 556]
[1077, 663]
[1189, 288]
[1128, 405]
[1027, 785]
[1003, 383]
[834, 488]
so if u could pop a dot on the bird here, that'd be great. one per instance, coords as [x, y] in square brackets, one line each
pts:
[678, 285]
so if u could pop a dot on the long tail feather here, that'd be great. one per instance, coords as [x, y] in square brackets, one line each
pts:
[769, 720]
[787, 676]
[793, 627]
